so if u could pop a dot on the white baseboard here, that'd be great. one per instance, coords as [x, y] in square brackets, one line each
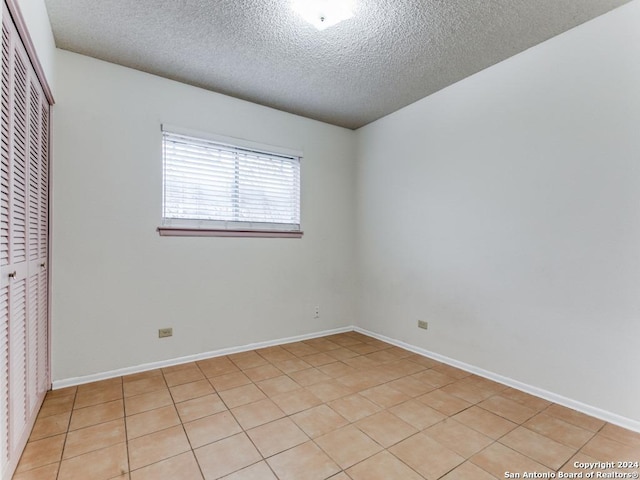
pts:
[538, 392]
[596, 412]
[71, 382]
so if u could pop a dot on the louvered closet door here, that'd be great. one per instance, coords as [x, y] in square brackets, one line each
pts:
[43, 372]
[37, 243]
[24, 369]
[4, 256]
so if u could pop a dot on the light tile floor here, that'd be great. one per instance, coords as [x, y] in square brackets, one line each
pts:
[342, 407]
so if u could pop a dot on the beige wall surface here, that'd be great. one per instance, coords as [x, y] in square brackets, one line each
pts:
[116, 281]
[505, 211]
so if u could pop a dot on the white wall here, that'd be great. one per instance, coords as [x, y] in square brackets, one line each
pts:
[116, 281]
[505, 210]
[36, 18]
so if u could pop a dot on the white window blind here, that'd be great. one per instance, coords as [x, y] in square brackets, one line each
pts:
[213, 185]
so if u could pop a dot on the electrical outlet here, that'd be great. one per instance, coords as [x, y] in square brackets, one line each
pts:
[165, 332]
[316, 312]
[423, 324]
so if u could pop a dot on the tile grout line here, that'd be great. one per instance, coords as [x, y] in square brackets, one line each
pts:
[126, 436]
[64, 444]
[193, 452]
[264, 459]
[387, 382]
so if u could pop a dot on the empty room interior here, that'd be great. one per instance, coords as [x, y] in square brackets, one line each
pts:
[267, 240]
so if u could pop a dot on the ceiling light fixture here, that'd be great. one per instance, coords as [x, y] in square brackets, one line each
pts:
[323, 13]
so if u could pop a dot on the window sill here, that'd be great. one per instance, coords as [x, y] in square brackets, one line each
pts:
[212, 232]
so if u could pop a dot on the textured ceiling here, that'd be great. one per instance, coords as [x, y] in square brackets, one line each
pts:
[390, 54]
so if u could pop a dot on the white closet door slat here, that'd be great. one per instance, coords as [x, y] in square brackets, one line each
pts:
[43, 339]
[34, 171]
[18, 172]
[4, 375]
[18, 360]
[44, 180]
[4, 148]
[32, 341]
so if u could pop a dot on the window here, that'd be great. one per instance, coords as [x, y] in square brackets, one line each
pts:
[228, 188]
